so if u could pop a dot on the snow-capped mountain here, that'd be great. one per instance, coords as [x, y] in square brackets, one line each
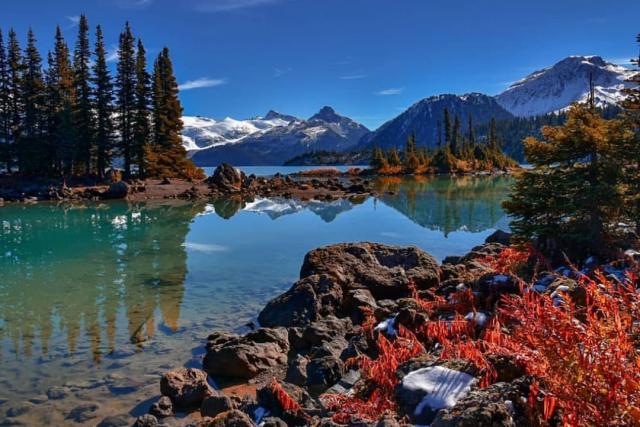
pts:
[425, 117]
[200, 133]
[555, 88]
[326, 130]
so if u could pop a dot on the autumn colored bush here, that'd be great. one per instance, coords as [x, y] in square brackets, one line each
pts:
[374, 396]
[321, 172]
[584, 356]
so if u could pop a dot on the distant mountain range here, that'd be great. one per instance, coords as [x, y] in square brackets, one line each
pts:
[276, 137]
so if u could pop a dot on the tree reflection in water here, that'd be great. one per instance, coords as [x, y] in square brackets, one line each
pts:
[74, 270]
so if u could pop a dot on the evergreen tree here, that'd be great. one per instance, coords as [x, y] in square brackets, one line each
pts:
[103, 106]
[62, 102]
[447, 128]
[411, 160]
[5, 108]
[456, 136]
[16, 106]
[142, 127]
[394, 158]
[630, 148]
[33, 94]
[378, 159]
[83, 111]
[493, 142]
[125, 99]
[167, 156]
[471, 135]
[570, 200]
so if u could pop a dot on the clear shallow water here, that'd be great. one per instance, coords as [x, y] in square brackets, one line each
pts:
[101, 297]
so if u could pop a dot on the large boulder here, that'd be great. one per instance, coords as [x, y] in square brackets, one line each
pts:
[226, 179]
[330, 274]
[385, 270]
[233, 418]
[186, 387]
[117, 190]
[247, 356]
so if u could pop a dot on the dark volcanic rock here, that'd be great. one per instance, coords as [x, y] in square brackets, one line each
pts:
[162, 408]
[384, 270]
[186, 387]
[118, 190]
[233, 418]
[323, 372]
[331, 272]
[248, 356]
[500, 405]
[146, 421]
[268, 399]
[297, 370]
[216, 404]
[499, 236]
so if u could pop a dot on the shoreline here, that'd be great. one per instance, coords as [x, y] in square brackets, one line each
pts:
[319, 184]
[304, 338]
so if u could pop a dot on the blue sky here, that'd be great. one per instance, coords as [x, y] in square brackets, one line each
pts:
[369, 59]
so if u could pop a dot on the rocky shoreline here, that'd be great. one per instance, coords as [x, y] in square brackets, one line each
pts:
[276, 374]
[226, 181]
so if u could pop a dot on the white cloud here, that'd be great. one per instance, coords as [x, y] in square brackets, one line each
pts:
[112, 53]
[73, 20]
[201, 83]
[279, 72]
[230, 5]
[353, 77]
[390, 91]
[204, 248]
[134, 4]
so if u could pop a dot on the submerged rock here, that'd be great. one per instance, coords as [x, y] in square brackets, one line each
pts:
[83, 413]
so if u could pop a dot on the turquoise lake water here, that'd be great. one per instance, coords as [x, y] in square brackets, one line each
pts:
[92, 289]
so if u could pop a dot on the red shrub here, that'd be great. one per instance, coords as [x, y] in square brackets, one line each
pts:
[375, 396]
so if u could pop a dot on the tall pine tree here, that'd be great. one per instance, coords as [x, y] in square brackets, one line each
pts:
[5, 103]
[103, 106]
[456, 136]
[83, 111]
[125, 96]
[142, 127]
[62, 97]
[31, 143]
[16, 106]
[167, 156]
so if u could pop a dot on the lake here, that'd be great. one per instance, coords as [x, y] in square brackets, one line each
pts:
[97, 299]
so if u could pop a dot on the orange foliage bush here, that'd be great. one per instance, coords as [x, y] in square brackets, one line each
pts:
[319, 172]
[375, 395]
[585, 357]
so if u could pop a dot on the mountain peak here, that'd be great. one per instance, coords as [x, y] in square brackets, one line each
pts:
[327, 114]
[555, 88]
[274, 115]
